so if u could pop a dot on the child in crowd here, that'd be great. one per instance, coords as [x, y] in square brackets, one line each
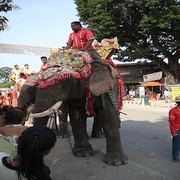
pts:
[14, 120]
[33, 145]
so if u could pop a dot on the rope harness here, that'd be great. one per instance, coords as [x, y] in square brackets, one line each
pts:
[113, 99]
[112, 95]
[53, 121]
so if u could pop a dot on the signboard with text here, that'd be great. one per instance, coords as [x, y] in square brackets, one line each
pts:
[153, 76]
[21, 49]
[175, 92]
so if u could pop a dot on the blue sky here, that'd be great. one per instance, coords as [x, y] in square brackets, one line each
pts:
[38, 23]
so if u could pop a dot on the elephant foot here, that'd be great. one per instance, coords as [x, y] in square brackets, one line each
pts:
[60, 134]
[63, 135]
[97, 134]
[115, 159]
[63, 130]
[83, 152]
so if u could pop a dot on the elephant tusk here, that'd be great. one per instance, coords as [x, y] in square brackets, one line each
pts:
[41, 114]
[46, 112]
[56, 105]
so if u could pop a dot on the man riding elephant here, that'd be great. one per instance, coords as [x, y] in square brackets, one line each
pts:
[82, 39]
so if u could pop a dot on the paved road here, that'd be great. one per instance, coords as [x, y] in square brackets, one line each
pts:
[146, 141]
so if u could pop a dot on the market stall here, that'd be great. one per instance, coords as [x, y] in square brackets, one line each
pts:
[152, 85]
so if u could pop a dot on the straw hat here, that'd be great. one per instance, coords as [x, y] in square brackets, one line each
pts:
[177, 99]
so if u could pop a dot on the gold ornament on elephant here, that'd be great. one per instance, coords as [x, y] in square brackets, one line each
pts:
[105, 47]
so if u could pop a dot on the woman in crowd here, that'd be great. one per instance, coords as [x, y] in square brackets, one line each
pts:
[33, 145]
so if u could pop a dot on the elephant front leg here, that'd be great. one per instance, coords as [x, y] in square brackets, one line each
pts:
[82, 148]
[115, 155]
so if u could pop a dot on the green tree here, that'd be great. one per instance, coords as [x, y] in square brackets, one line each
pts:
[4, 74]
[6, 6]
[146, 29]
[7, 84]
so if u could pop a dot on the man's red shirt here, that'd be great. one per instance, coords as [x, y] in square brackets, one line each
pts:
[43, 67]
[174, 120]
[79, 39]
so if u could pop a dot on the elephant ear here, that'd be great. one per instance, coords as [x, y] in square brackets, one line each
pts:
[103, 78]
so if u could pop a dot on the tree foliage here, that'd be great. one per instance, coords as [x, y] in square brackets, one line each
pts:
[147, 29]
[6, 6]
[7, 84]
[4, 74]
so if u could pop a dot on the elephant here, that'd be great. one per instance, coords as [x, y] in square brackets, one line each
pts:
[102, 86]
[28, 96]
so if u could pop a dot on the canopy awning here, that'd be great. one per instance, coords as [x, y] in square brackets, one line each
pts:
[152, 83]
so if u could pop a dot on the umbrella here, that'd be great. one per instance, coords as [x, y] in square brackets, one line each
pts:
[152, 83]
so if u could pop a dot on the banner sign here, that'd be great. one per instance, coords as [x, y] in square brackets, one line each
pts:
[152, 77]
[175, 92]
[21, 49]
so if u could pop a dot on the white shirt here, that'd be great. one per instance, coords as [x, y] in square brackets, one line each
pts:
[166, 93]
[16, 72]
[5, 172]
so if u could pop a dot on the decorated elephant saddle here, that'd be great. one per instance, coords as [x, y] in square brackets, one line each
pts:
[64, 64]
[32, 80]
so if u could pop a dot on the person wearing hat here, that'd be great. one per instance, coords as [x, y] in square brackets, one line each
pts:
[174, 124]
[16, 72]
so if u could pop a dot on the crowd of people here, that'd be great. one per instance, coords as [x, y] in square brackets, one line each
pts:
[8, 96]
[23, 148]
[16, 71]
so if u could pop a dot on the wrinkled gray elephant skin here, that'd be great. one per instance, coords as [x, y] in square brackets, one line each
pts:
[103, 79]
[28, 96]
